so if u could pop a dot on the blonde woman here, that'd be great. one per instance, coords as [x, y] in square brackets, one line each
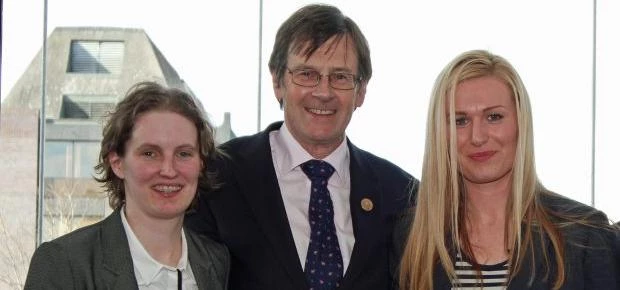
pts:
[482, 218]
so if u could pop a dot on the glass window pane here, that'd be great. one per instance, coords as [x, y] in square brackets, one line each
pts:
[111, 56]
[84, 57]
[607, 103]
[87, 154]
[58, 159]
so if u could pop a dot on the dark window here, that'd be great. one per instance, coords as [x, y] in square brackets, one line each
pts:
[100, 57]
[86, 106]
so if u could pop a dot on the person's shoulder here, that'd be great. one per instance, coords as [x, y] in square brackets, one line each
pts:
[580, 224]
[82, 236]
[248, 142]
[395, 181]
[381, 166]
[72, 246]
[240, 141]
[375, 161]
[563, 206]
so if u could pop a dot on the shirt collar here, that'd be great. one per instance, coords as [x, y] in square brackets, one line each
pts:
[145, 266]
[294, 155]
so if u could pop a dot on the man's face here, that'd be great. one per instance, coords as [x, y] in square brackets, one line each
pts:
[318, 116]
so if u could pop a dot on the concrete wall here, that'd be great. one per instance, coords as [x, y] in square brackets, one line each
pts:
[18, 180]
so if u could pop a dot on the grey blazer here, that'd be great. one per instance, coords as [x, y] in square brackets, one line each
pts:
[98, 257]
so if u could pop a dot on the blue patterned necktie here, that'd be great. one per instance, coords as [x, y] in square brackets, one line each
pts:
[324, 260]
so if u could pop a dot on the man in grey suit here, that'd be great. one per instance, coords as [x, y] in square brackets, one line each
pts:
[155, 147]
[301, 207]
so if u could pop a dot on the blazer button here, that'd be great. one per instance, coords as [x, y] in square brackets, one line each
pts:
[367, 204]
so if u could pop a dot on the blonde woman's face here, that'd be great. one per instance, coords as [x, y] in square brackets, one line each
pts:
[486, 130]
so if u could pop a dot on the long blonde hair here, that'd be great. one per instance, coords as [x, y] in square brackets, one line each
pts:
[437, 230]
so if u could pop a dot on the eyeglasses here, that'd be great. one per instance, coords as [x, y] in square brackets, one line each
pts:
[336, 80]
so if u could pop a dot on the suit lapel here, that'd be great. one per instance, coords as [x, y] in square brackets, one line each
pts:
[117, 263]
[258, 182]
[530, 277]
[202, 263]
[364, 186]
[204, 275]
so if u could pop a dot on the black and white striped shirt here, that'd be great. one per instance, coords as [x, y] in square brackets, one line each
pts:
[492, 277]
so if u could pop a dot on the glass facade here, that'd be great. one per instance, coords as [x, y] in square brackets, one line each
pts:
[71, 159]
[565, 51]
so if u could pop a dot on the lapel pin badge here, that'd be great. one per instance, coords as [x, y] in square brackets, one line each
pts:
[367, 204]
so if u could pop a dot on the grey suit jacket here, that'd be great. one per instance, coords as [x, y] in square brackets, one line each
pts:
[98, 257]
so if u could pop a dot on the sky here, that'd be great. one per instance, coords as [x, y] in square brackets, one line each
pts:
[214, 46]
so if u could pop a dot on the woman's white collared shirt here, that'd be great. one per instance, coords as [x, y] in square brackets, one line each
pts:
[152, 275]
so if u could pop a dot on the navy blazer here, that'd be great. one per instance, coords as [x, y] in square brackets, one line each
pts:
[589, 253]
[98, 257]
[247, 214]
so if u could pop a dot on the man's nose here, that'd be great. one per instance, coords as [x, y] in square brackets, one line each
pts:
[323, 89]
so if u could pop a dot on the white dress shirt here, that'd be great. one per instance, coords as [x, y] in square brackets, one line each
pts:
[153, 275]
[287, 155]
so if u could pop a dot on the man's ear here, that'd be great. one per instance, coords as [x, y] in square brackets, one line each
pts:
[360, 95]
[116, 162]
[278, 89]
